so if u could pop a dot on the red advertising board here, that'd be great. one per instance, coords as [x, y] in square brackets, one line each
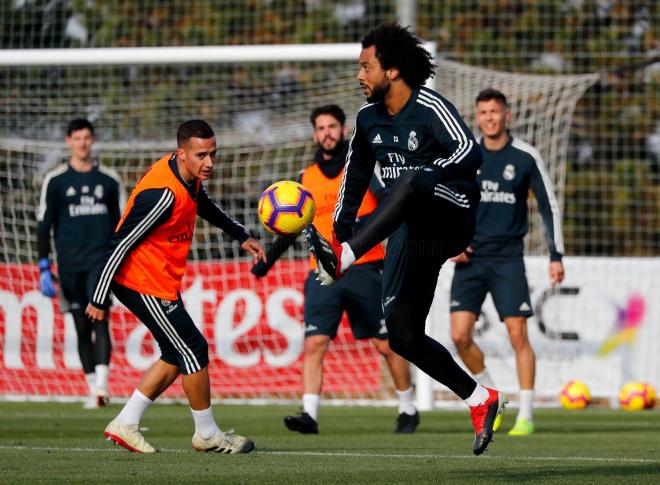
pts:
[254, 329]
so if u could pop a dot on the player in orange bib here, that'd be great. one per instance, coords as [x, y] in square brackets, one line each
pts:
[359, 293]
[144, 264]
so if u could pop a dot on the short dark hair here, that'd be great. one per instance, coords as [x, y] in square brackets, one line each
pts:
[193, 129]
[329, 109]
[79, 124]
[490, 94]
[397, 47]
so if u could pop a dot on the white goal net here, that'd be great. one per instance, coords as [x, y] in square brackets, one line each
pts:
[260, 111]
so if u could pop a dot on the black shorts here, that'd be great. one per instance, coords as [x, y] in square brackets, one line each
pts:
[436, 228]
[75, 290]
[180, 341]
[358, 292]
[505, 280]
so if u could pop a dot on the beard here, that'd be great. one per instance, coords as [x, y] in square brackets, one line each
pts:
[337, 148]
[379, 91]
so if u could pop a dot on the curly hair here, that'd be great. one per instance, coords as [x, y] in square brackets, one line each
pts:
[397, 47]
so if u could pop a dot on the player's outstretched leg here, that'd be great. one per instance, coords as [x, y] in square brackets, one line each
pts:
[303, 423]
[483, 419]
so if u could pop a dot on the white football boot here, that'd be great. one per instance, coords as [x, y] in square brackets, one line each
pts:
[223, 442]
[128, 436]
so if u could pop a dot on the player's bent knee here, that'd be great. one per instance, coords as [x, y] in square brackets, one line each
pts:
[462, 340]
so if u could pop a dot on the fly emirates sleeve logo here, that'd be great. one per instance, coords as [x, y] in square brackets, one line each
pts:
[184, 236]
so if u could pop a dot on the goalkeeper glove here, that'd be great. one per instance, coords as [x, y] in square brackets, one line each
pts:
[46, 279]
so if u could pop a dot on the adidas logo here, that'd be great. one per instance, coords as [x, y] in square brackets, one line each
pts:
[70, 192]
[377, 139]
[310, 327]
[524, 307]
[454, 303]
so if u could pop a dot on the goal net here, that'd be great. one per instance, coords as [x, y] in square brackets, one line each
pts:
[260, 111]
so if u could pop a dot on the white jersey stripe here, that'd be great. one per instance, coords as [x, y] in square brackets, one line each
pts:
[41, 212]
[444, 122]
[448, 191]
[443, 112]
[547, 184]
[191, 362]
[103, 286]
[342, 186]
[464, 205]
[465, 145]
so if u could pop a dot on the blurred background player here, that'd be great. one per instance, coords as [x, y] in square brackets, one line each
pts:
[359, 290]
[143, 266]
[494, 260]
[428, 159]
[82, 202]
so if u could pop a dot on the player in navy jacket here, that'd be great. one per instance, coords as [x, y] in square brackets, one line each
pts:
[429, 160]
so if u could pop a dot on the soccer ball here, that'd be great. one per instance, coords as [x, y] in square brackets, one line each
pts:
[286, 207]
[635, 396]
[575, 395]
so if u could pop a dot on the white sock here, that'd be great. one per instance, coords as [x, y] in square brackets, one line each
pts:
[311, 405]
[91, 383]
[478, 396]
[347, 257]
[205, 425]
[484, 379]
[132, 412]
[102, 372]
[406, 401]
[526, 403]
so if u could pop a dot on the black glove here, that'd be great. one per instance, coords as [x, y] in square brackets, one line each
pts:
[425, 180]
[261, 269]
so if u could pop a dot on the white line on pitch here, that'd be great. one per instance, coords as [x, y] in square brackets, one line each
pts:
[351, 455]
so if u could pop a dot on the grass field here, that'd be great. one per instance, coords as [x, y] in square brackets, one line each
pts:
[52, 442]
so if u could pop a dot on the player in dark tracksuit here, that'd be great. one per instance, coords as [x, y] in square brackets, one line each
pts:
[80, 201]
[494, 260]
[428, 159]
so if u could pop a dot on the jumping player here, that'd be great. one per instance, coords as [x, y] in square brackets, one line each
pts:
[429, 160]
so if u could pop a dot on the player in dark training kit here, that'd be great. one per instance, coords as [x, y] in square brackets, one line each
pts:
[494, 261]
[429, 160]
[80, 200]
[358, 293]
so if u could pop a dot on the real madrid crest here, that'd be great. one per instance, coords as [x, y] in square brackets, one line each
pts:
[412, 141]
[509, 172]
[98, 191]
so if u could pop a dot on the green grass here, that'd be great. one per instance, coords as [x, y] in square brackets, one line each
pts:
[52, 442]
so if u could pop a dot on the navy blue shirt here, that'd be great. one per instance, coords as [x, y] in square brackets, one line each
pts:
[426, 132]
[505, 179]
[83, 209]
